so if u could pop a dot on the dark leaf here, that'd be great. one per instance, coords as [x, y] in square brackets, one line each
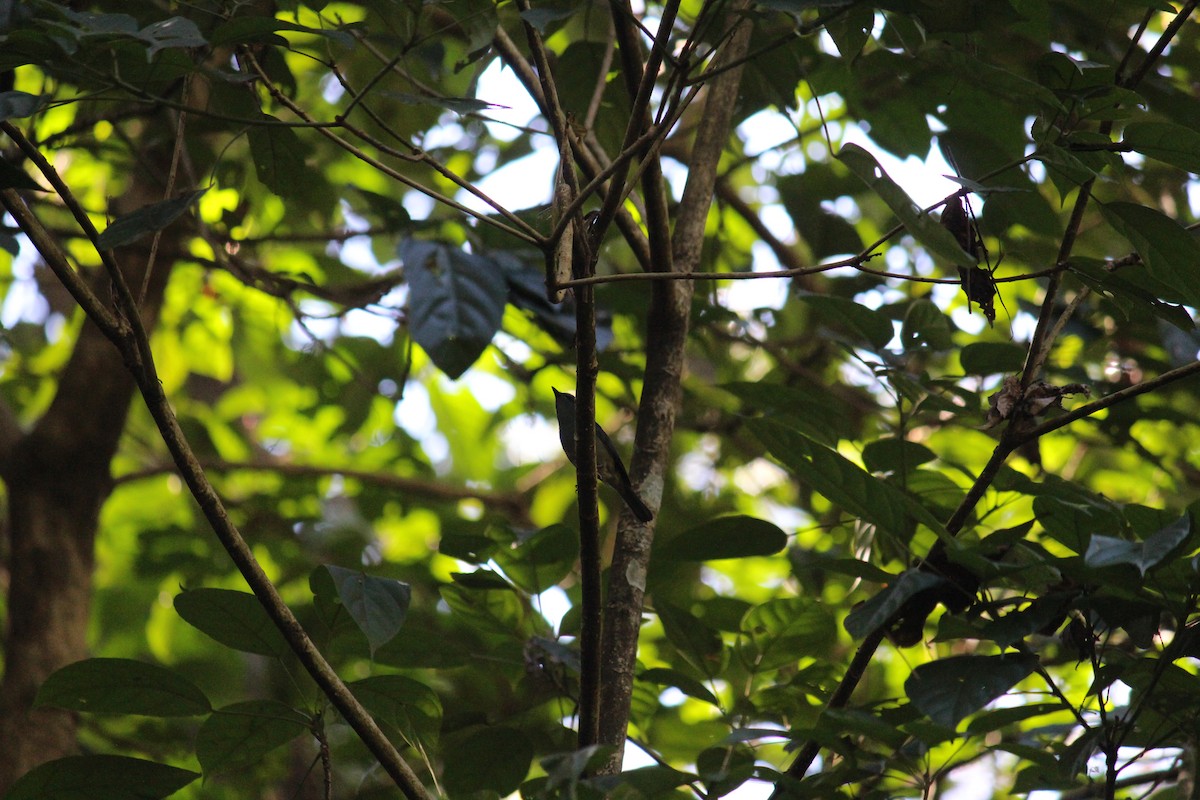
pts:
[487, 760]
[842, 482]
[879, 610]
[699, 644]
[1106, 551]
[409, 706]
[279, 158]
[661, 676]
[1165, 141]
[895, 455]
[456, 302]
[991, 358]
[241, 734]
[100, 778]
[130, 227]
[1168, 249]
[122, 686]
[235, 619]
[950, 689]
[377, 605]
[725, 537]
[16, 105]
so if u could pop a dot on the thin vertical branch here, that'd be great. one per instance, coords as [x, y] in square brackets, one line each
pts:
[667, 327]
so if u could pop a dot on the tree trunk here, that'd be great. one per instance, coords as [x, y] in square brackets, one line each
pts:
[58, 477]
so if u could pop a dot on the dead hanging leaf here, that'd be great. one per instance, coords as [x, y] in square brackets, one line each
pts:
[978, 283]
[980, 287]
[956, 220]
[1039, 398]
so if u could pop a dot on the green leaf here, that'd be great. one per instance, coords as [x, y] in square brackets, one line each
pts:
[1007, 717]
[15, 178]
[541, 560]
[235, 619]
[170, 33]
[456, 302]
[817, 414]
[241, 734]
[925, 326]
[100, 778]
[661, 676]
[377, 605]
[950, 689]
[861, 323]
[725, 537]
[130, 227]
[991, 358]
[409, 706]
[122, 686]
[696, 641]
[1107, 551]
[880, 609]
[1168, 249]
[17, 105]
[895, 455]
[1175, 144]
[491, 759]
[930, 233]
[279, 158]
[788, 628]
[844, 483]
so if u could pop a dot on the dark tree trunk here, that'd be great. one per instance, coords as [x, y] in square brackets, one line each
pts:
[58, 477]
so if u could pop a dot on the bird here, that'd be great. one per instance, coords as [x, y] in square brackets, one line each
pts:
[608, 462]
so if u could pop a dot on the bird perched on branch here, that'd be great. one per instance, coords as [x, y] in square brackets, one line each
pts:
[608, 463]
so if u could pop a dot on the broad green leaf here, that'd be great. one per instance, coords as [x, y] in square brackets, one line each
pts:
[100, 778]
[1002, 718]
[925, 326]
[279, 158]
[16, 105]
[880, 609]
[169, 33]
[895, 455]
[15, 178]
[1007, 630]
[377, 605]
[1175, 144]
[409, 706]
[541, 560]
[1106, 551]
[130, 227]
[818, 415]
[697, 642]
[244, 29]
[862, 324]
[950, 689]
[235, 619]
[929, 232]
[122, 686]
[565, 772]
[487, 759]
[724, 768]
[725, 537]
[456, 302]
[788, 628]
[662, 676]
[241, 734]
[991, 358]
[842, 482]
[1169, 250]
